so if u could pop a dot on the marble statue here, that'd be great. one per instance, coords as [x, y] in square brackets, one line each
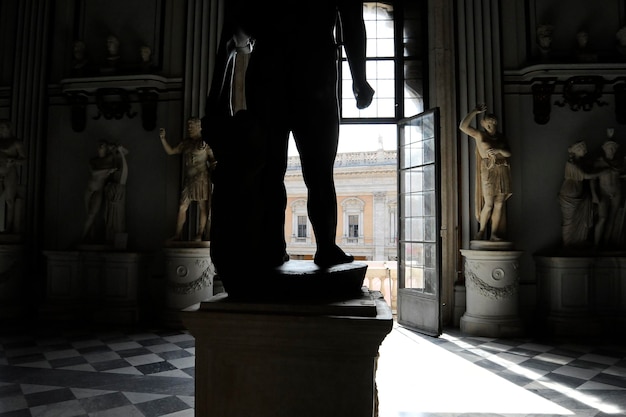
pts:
[620, 35]
[583, 51]
[80, 62]
[12, 157]
[113, 54]
[145, 54]
[544, 39]
[290, 87]
[576, 197]
[199, 162]
[493, 188]
[608, 189]
[101, 167]
[115, 198]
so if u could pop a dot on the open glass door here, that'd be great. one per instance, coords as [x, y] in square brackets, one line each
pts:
[419, 251]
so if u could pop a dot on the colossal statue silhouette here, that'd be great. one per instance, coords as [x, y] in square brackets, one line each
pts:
[290, 87]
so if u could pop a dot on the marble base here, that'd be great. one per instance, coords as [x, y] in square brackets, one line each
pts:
[190, 274]
[13, 285]
[582, 296]
[96, 286]
[298, 280]
[491, 284]
[288, 359]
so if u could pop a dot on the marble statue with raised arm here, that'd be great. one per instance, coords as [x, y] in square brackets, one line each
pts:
[493, 187]
[199, 161]
[12, 156]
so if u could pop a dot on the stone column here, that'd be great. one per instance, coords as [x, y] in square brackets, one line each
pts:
[380, 222]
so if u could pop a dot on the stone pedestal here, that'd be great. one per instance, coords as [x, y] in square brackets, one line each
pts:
[13, 285]
[300, 359]
[582, 295]
[190, 275]
[492, 282]
[92, 286]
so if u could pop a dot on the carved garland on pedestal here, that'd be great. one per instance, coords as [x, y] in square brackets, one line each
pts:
[473, 280]
[196, 285]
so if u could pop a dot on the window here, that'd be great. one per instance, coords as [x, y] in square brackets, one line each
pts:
[302, 221]
[353, 220]
[395, 67]
[353, 228]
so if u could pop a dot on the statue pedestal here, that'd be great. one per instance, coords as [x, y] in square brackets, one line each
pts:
[99, 286]
[190, 276]
[582, 296]
[288, 359]
[492, 282]
[14, 299]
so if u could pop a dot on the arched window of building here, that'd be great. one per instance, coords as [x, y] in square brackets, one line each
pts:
[300, 222]
[353, 220]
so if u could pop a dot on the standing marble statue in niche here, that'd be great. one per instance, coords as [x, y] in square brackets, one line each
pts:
[101, 168]
[577, 196]
[199, 162]
[12, 157]
[493, 183]
[608, 191]
[115, 199]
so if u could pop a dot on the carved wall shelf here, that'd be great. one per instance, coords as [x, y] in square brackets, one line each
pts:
[581, 86]
[114, 95]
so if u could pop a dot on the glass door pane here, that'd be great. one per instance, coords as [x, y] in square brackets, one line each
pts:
[419, 252]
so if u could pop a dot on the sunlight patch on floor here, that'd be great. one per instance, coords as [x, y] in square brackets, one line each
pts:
[415, 376]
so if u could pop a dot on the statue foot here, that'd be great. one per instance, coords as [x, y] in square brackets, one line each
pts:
[480, 235]
[332, 256]
[198, 238]
[495, 238]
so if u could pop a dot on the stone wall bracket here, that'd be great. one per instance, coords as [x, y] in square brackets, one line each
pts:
[582, 92]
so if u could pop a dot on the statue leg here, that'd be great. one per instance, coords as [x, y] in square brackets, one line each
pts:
[317, 135]
[94, 203]
[182, 217]
[202, 208]
[600, 225]
[485, 216]
[498, 222]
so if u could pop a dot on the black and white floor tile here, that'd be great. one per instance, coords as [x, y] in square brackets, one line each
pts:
[150, 373]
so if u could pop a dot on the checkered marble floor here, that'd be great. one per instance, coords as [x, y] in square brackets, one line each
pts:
[110, 373]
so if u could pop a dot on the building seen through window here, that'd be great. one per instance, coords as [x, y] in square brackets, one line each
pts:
[366, 164]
